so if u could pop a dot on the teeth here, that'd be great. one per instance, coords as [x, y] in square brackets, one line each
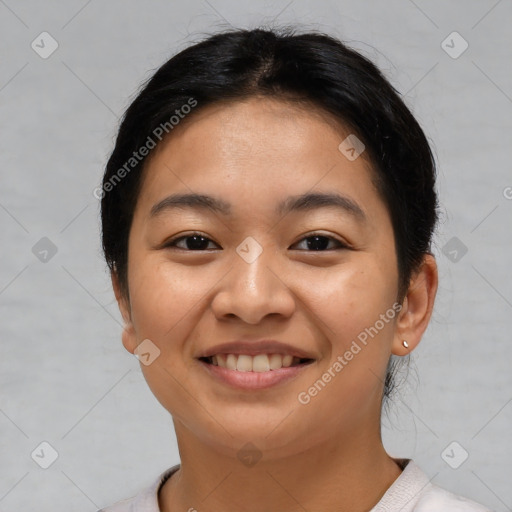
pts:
[275, 361]
[244, 363]
[221, 360]
[259, 363]
[231, 360]
[287, 360]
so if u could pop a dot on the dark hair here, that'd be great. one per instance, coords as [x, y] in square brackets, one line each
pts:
[313, 68]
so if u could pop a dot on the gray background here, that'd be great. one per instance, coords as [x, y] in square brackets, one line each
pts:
[65, 377]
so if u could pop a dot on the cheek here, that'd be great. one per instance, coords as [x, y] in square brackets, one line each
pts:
[162, 296]
[358, 317]
[354, 299]
[164, 309]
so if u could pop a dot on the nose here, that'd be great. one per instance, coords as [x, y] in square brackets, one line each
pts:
[254, 290]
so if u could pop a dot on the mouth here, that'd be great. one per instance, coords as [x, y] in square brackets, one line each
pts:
[253, 372]
[259, 363]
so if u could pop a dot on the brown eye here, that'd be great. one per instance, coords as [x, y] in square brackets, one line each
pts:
[192, 242]
[319, 243]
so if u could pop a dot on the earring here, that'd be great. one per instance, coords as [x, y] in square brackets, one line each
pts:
[405, 344]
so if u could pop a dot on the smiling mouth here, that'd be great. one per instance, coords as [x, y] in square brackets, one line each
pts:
[258, 364]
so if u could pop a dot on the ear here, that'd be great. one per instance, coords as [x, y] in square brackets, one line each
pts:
[417, 307]
[128, 337]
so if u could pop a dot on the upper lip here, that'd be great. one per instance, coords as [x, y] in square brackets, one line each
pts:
[253, 348]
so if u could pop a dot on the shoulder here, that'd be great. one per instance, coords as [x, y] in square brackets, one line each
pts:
[437, 499]
[146, 500]
[121, 506]
[412, 491]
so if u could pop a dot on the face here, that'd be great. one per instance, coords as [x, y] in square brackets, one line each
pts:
[262, 261]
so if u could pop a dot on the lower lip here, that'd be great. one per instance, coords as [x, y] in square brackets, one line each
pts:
[253, 380]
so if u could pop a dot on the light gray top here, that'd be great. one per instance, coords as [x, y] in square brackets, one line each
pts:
[410, 492]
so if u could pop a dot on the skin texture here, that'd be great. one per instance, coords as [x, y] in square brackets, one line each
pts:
[325, 455]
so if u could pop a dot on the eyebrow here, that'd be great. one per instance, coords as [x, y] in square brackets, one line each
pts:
[303, 202]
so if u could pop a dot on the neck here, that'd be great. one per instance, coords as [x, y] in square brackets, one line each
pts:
[330, 476]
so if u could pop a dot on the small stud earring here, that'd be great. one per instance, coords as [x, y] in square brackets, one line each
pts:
[405, 344]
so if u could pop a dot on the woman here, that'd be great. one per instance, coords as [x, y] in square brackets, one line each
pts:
[267, 217]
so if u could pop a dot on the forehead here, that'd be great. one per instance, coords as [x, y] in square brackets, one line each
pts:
[285, 127]
[255, 152]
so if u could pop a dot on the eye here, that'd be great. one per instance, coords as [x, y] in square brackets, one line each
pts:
[318, 243]
[193, 242]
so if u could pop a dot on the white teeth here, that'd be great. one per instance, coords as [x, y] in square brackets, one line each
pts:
[231, 362]
[259, 363]
[275, 361]
[287, 360]
[244, 363]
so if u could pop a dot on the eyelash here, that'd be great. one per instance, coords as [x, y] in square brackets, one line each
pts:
[171, 243]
